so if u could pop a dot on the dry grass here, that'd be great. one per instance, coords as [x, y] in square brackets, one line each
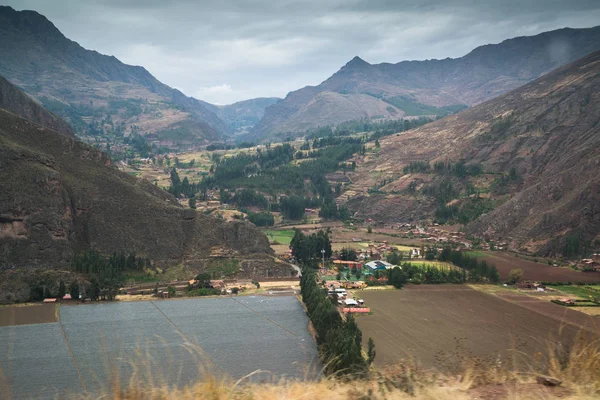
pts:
[578, 367]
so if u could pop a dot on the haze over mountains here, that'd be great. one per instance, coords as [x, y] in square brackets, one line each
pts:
[539, 150]
[409, 88]
[103, 98]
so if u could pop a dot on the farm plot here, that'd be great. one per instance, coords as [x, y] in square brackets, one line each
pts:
[280, 236]
[25, 315]
[536, 271]
[439, 325]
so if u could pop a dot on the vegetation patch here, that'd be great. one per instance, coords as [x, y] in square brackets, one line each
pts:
[222, 268]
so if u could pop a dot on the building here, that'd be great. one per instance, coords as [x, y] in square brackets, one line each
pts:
[349, 264]
[378, 265]
[350, 303]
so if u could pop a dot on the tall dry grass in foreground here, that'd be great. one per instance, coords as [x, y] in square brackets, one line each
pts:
[577, 366]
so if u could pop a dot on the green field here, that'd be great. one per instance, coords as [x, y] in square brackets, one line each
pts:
[578, 291]
[280, 236]
[434, 263]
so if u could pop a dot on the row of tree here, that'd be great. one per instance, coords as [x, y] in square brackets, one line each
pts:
[339, 340]
[478, 270]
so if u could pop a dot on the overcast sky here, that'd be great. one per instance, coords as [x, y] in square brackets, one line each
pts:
[223, 51]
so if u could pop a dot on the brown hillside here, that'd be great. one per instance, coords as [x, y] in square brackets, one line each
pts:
[548, 131]
[60, 196]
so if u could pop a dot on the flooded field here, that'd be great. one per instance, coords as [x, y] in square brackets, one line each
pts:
[170, 341]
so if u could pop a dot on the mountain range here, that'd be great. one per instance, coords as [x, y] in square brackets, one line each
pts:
[101, 96]
[431, 87]
[538, 150]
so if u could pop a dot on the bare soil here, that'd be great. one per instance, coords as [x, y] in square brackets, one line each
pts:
[443, 326]
[538, 272]
[28, 314]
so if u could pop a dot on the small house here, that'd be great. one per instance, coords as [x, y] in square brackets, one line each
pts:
[350, 303]
[378, 265]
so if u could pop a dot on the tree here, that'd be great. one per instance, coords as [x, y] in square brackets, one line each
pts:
[348, 254]
[394, 257]
[62, 290]
[396, 277]
[377, 145]
[371, 351]
[306, 248]
[74, 289]
[203, 280]
[94, 289]
[493, 275]
[515, 275]
[171, 291]
[193, 202]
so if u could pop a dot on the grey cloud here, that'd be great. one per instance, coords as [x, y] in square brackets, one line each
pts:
[230, 50]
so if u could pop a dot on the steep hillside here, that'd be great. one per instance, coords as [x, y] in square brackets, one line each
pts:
[60, 196]
[431, 87]
[13, 100]
[97, 94]
[538, 148]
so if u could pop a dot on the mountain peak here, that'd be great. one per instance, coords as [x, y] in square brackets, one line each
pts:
[357, 62]
[29, 21]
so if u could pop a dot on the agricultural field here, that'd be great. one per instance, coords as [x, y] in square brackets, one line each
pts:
[434, 263]
[28, 314]
[535, 271]
[579, 291]
[441, 326]
[283, 237]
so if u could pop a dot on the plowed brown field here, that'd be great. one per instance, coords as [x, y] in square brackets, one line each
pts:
[440, 325]
[25, 315]
[536, 271]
